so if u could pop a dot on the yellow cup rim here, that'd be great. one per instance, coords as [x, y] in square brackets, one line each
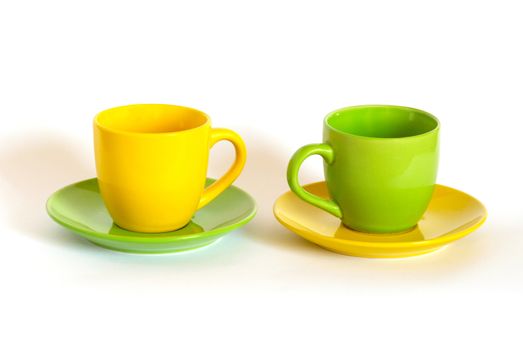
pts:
[103, 127]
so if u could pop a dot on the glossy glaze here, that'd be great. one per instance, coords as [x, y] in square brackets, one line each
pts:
[380, 165]
[151, 162]
[80, 208]
[450, 215]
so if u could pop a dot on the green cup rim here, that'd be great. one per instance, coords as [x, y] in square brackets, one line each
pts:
[343, 109]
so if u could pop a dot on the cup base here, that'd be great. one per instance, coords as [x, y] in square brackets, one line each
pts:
[368, 232]
[150, 230]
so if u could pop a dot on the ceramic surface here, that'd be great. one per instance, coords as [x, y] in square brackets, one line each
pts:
[151, 162]
[380, 165]
[80, 208]
[450, 215]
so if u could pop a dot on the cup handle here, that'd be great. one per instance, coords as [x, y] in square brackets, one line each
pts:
[220, 185]
[297, 159]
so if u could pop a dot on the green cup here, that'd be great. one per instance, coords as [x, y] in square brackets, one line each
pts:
[380, 165]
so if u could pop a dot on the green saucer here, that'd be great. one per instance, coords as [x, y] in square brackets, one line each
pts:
[80, 208]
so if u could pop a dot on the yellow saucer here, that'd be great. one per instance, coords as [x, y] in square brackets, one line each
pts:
[450, 216]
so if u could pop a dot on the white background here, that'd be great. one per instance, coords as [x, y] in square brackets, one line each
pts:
[270, 70]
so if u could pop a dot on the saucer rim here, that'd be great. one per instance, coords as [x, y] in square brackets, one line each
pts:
[438, 241]
[165, 239]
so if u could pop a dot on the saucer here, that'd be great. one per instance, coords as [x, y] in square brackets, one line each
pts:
[80, 208]
[451, 215]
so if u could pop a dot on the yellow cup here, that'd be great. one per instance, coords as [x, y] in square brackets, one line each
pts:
[151, 161]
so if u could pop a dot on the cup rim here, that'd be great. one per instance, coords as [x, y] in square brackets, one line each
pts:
[343, 109]
[98, 124]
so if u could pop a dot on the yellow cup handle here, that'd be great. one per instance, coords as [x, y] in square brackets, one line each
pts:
[234, 171]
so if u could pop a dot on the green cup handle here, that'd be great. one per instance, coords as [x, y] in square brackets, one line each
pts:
[297, 159]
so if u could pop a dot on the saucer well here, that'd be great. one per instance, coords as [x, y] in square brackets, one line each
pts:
[80, 208]
[451, 215]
